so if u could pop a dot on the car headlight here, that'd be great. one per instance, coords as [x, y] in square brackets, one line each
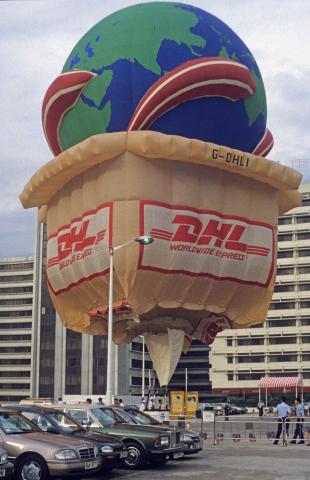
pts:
[164, 441]
[65, 454]
[106, 449]
[3, 458]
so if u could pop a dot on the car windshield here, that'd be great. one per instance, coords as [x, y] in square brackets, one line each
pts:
[11, 422]
[143, 418]
[66, 423]
[106, 417]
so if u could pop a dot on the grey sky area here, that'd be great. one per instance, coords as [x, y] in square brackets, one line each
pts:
[36, 37]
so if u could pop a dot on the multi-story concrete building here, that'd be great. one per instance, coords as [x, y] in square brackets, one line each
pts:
[281, 345]
[16, 298]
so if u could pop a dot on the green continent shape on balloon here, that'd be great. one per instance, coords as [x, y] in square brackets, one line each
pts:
[98, 50]
[135, 44]
[98, 116]
[256, 105]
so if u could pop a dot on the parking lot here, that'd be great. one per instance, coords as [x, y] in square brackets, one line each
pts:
[232, 462]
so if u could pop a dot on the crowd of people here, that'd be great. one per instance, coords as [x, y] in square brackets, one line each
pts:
[155, 402]
[283, 412]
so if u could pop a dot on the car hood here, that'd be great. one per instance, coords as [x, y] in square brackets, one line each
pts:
[58, 441]
[100, 438]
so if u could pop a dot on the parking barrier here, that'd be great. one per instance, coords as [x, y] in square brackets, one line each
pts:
[245, 429]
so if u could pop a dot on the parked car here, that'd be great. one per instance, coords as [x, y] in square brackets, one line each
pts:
[38, 455]
[54, 421]
[6, 467]
[230, 409]
[190, 439]
[143, 443]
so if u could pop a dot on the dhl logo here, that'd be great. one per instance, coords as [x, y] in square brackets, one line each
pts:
[215, 233]
[75, 241]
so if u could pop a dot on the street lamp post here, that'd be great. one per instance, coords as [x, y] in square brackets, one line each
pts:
[143, 240]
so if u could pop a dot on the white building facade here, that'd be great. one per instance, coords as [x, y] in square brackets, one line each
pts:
[281, 345]
[16, 300]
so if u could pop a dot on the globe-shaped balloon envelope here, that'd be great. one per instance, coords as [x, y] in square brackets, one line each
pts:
[158, 124]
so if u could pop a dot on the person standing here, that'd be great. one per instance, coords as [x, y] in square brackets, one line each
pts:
[300, 413]
[260, 407]
[283, 411]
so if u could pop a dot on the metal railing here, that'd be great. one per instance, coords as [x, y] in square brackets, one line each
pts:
[248, 429]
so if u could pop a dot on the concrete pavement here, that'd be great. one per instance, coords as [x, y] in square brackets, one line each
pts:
[231, 462]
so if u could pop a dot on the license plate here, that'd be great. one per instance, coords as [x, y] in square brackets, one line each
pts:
[123, 454]
[90, 465]
[2, 473]
[197, 445]
[178, 454]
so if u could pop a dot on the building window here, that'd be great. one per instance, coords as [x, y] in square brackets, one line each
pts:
[136, 381]
[303, 235]
[250, 375]
[305, 322]
[138, 364]
[16, 278]
[229, 342]
[18, 313]
[284, 288]
[305, 304]
[16, 290]
[250, 341]
[230, 359]
[251, 358]
[16, 266]
[282, 306]
[281, 322]
[286, 270]
[285, 254]
[303, 270]
[15, 361]
[282, 340]
[286, 237]
[303, 219]
[230, 376]
[16, 301]
[306, 357]
[283, 358]
[305, 252]
[285, 220]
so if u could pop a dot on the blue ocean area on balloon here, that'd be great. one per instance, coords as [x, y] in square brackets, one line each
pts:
[238, 123]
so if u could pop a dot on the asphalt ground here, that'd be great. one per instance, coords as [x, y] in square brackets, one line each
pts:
[230, 461]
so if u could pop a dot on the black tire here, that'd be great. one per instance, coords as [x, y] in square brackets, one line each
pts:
[136, 457]
[32, 467]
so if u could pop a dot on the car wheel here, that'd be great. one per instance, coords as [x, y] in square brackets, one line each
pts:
[32, 467]
[135, 456]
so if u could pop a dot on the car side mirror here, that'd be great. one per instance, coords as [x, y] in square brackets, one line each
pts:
[52, 429]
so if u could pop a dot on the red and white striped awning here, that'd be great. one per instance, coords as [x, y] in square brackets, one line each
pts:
[280, 382]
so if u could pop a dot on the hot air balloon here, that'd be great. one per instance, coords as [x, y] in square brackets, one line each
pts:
[158, 127]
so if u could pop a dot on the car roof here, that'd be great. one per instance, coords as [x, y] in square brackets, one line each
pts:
[35, 408]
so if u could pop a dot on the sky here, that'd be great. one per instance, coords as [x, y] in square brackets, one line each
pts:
[36, 37]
